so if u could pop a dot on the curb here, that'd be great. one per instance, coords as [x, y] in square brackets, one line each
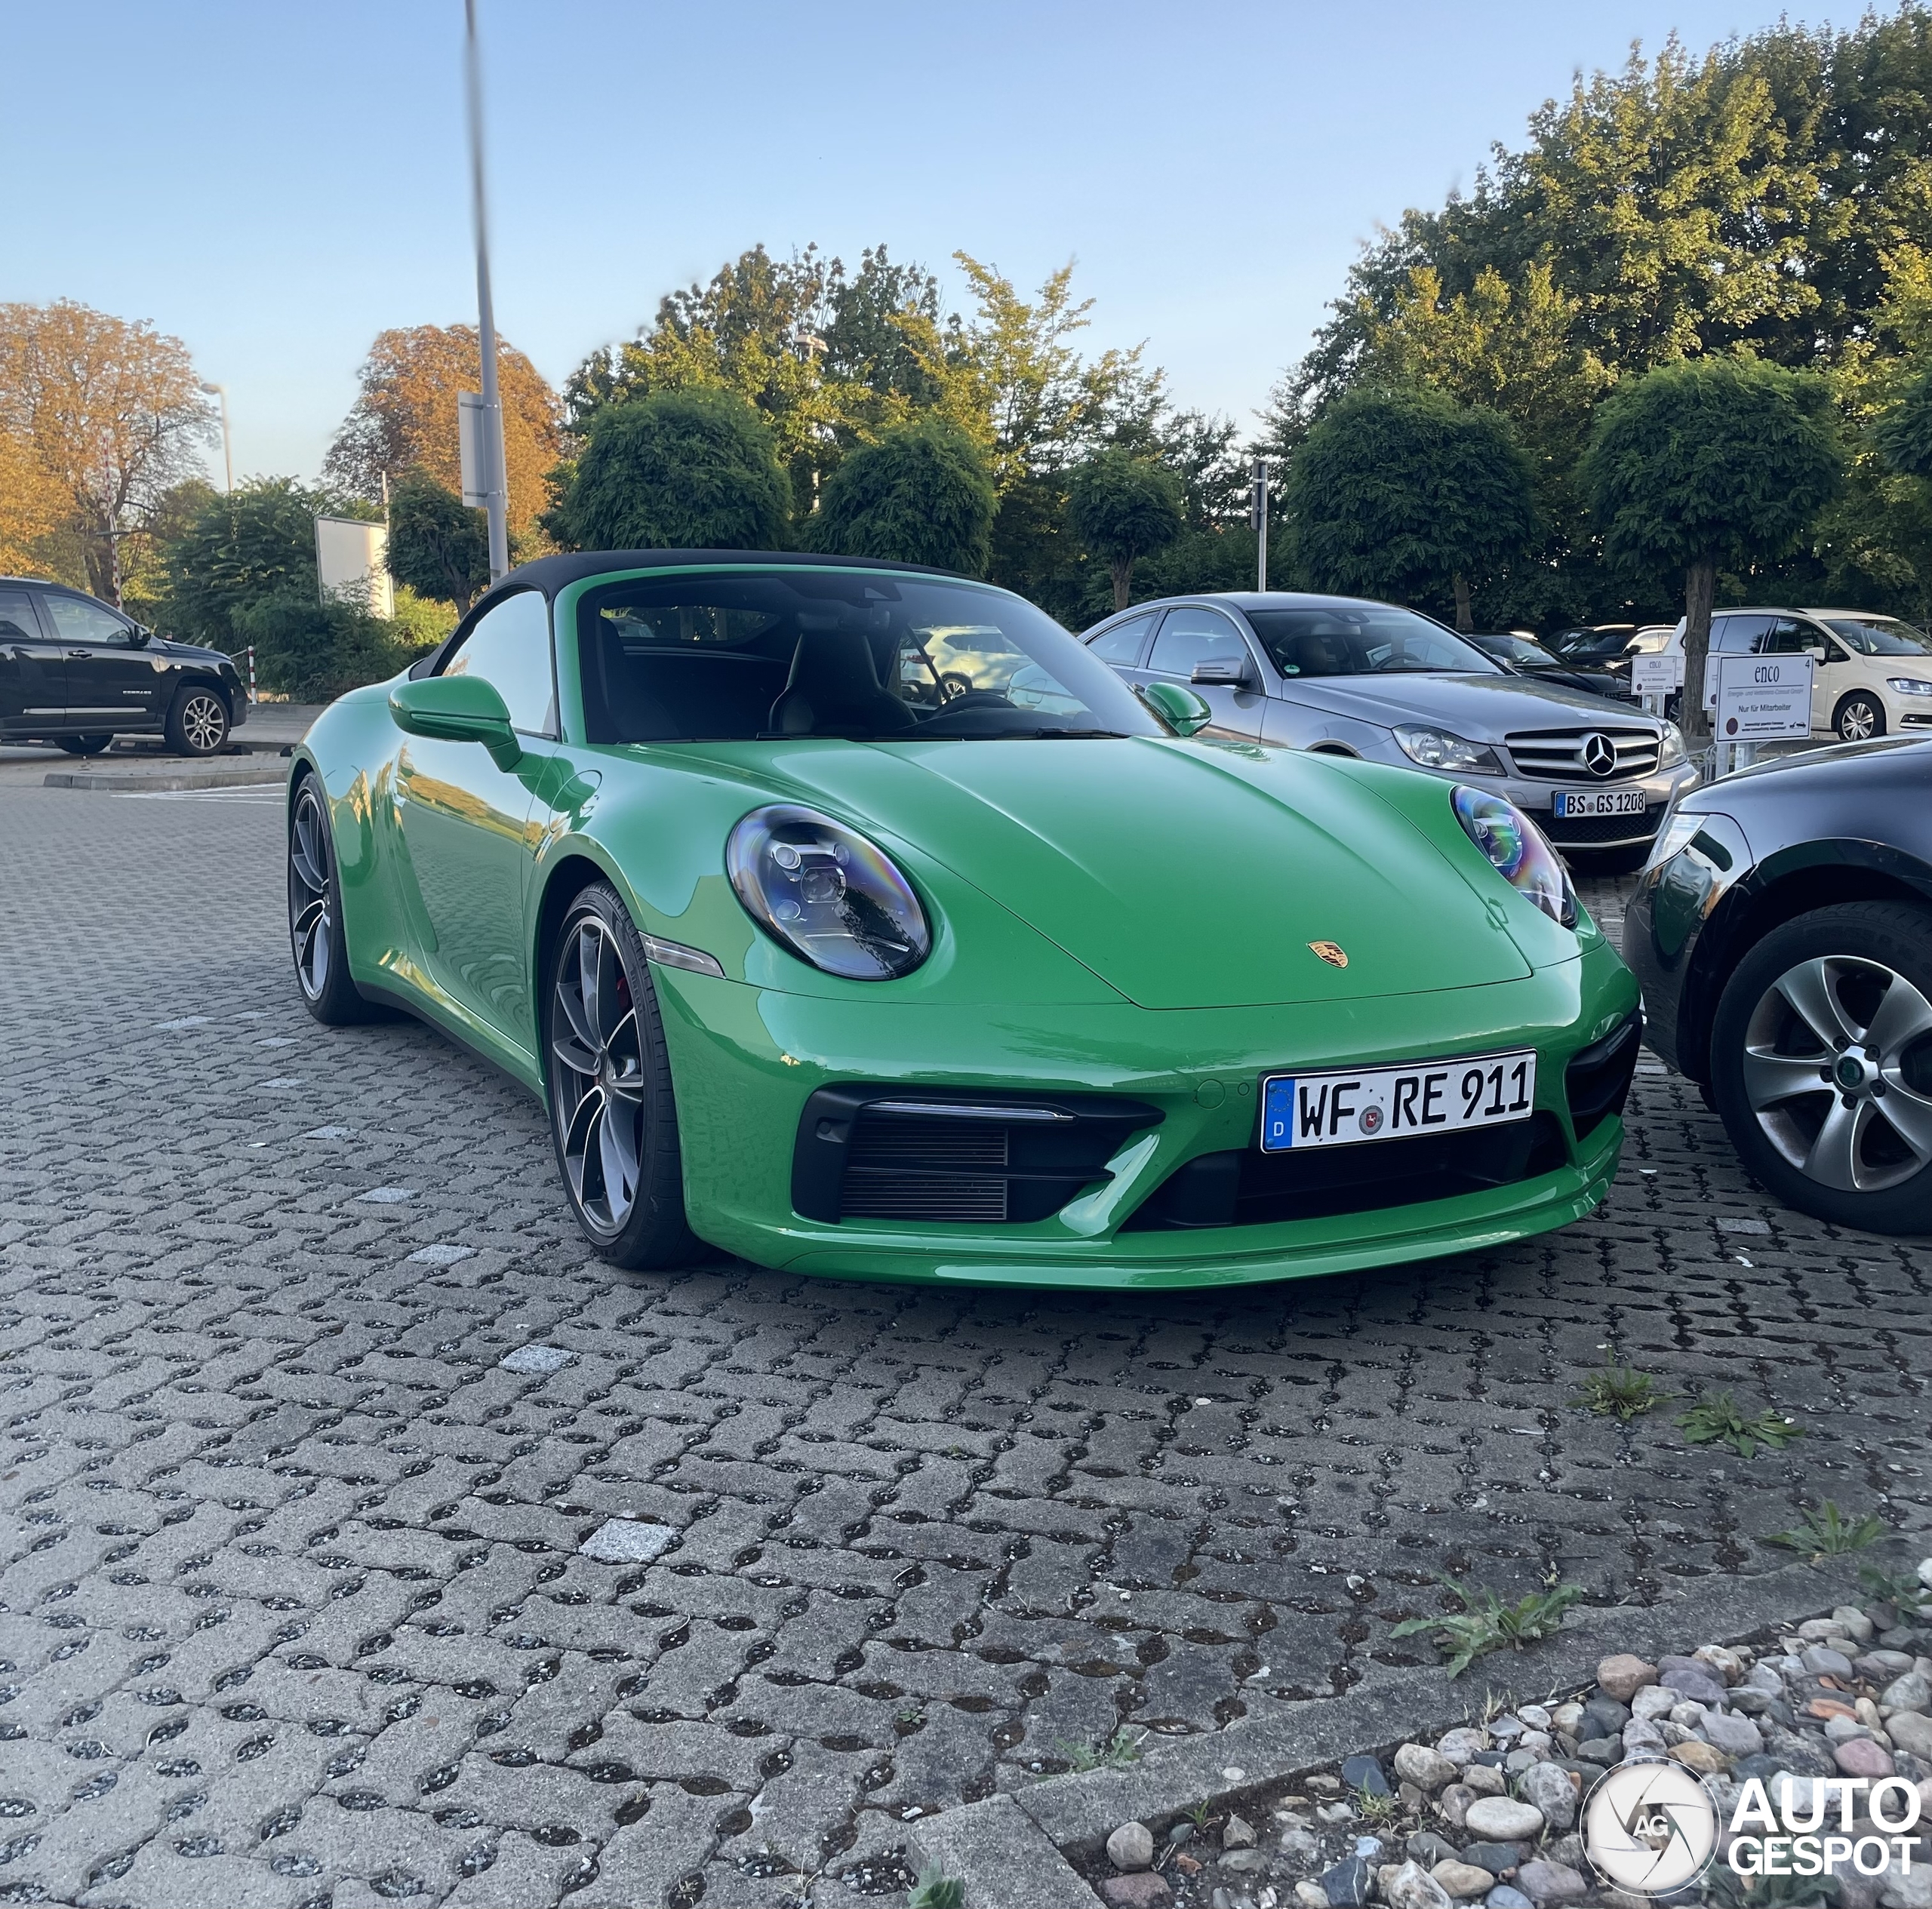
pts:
[127, 782]
[1006, 1850]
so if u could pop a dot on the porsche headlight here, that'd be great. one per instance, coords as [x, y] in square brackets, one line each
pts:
[1671, 751]
[1517, 850]
[1437, 748]
[826, 894]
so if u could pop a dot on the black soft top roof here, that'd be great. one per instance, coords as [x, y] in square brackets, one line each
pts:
[551, 574]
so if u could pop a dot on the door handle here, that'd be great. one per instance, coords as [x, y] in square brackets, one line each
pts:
[79, 656]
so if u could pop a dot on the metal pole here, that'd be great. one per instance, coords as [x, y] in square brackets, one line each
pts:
[1261, 523]
[495, 476]
[227, 444]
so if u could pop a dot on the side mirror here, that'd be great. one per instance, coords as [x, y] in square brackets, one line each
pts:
[1180, 709]
[1221, 672]
[140, 635]
[1816, 652]
[458, 709]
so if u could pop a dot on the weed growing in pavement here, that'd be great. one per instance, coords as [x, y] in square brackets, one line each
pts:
[1828, 1533]
[1199, 1814]
[1374, 1810]
[1485, 1623]
[1731, 1891]
[1123, 1747]
[1618, 1391]
[935, 1890]
[1718, 1420]
[1905, 1594]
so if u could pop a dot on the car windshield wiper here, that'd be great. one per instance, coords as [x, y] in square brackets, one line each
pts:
[1115, 735]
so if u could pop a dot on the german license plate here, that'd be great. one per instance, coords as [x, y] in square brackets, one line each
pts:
[1396, 1103]
[1568, 802]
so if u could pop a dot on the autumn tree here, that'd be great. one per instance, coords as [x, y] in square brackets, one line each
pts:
[1708, 462]
[438, 546]
[691, 470]
[1400, 493]
[1122, 508]
[405, 418]
[107, 413]
[922, 495]
[33, 508]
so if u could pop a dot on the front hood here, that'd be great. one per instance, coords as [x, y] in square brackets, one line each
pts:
[1483, 709]
[1185, 875]
[190, 653]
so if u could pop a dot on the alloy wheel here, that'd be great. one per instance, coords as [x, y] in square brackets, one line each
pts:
[310, 893]
[1858, 720]
[596, 1077]
[1837, 1072]
[203, 723]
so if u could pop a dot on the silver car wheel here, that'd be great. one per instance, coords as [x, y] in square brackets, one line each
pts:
[310, 892]
[1858, 720]
[1824, 1074]
[598, 1082]
[203, 722]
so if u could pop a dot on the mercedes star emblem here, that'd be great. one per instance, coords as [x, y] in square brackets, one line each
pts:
[1599, 754]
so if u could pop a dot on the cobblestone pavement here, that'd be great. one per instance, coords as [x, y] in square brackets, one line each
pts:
[293, 1609]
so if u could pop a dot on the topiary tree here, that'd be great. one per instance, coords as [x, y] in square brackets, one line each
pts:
[1121, 507]
[1400, 493]
[1710, 461]
[438, 546]
[694, 469]
[922, 494]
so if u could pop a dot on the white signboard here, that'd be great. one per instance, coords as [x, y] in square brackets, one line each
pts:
[352, 561]
[1656, 675]
[1764, 699]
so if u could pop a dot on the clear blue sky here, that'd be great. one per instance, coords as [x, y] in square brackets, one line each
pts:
[275, 183]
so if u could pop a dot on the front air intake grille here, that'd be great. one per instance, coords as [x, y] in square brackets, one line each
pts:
[1562, 755]
[956, 1155]
[1597, 1079]
[911, 1168]
[1601, 831]
[1252, 1188]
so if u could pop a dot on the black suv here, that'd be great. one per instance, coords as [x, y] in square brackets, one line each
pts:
[75, 672]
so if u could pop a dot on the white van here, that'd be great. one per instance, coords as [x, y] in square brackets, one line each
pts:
[1873, 674]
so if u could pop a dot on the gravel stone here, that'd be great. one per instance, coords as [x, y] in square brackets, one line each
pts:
[1503, 1896]
[1705, 1759]
[1689, 1679]
[1131, 1846]
[1648, 1705]
[1142, 1890]
[1505, 1819]
[1346, 1885]
[1550, 1790]
[629, 1541]
[1426, 1847]
[1736, 1736]
[1910, 1732]
[1237, 1832]
[1410, 1887]
[1460, 1745]
[1861, 1757]
[1544, 1882]
[1463, 1880]
[1622, 1675]
[1495, 1857]
[1428, 1769]
[1366, 1774]
[1485, 1780]
[1601, 1750]
[1913, 1691]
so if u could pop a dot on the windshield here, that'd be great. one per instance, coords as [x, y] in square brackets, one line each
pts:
[738, 655]
[1577, 644]
[1363, 640]
[1881, 636]
[1517, 649]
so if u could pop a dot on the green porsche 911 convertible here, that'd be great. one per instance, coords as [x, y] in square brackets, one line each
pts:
[851, 918]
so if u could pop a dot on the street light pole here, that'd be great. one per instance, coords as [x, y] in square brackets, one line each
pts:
[494, 474]
[227, 444]
[1257, 515]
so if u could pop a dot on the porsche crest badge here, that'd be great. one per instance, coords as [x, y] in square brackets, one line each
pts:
[1331, 952]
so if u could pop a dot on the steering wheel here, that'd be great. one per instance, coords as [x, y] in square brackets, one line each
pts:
[977, 699]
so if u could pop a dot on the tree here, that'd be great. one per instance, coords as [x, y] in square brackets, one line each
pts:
[1903, 434]
[113, 414]
[1707, 462]
[685, 470]
[33, 507]
[922, 495]
[438, 546]
[1397, 494]
[1121, 507]
[405, 418]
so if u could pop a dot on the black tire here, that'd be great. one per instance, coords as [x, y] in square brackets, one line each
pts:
[613, 1116]
[316, 940]
[1859, 717]
[84, 745]
[197, 720]
[1810, 1000]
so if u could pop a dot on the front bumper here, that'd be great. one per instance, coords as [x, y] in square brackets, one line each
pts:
[1536, 798]
[745, 1061]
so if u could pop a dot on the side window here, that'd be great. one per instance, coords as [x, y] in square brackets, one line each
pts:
[1191, 636]
[18, 623]
[77, 620]
[1124, 643]
[509, 649]
[1737, 636]
[1787, 636]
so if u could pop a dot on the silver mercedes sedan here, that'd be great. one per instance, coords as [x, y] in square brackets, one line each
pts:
[1369, 679]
